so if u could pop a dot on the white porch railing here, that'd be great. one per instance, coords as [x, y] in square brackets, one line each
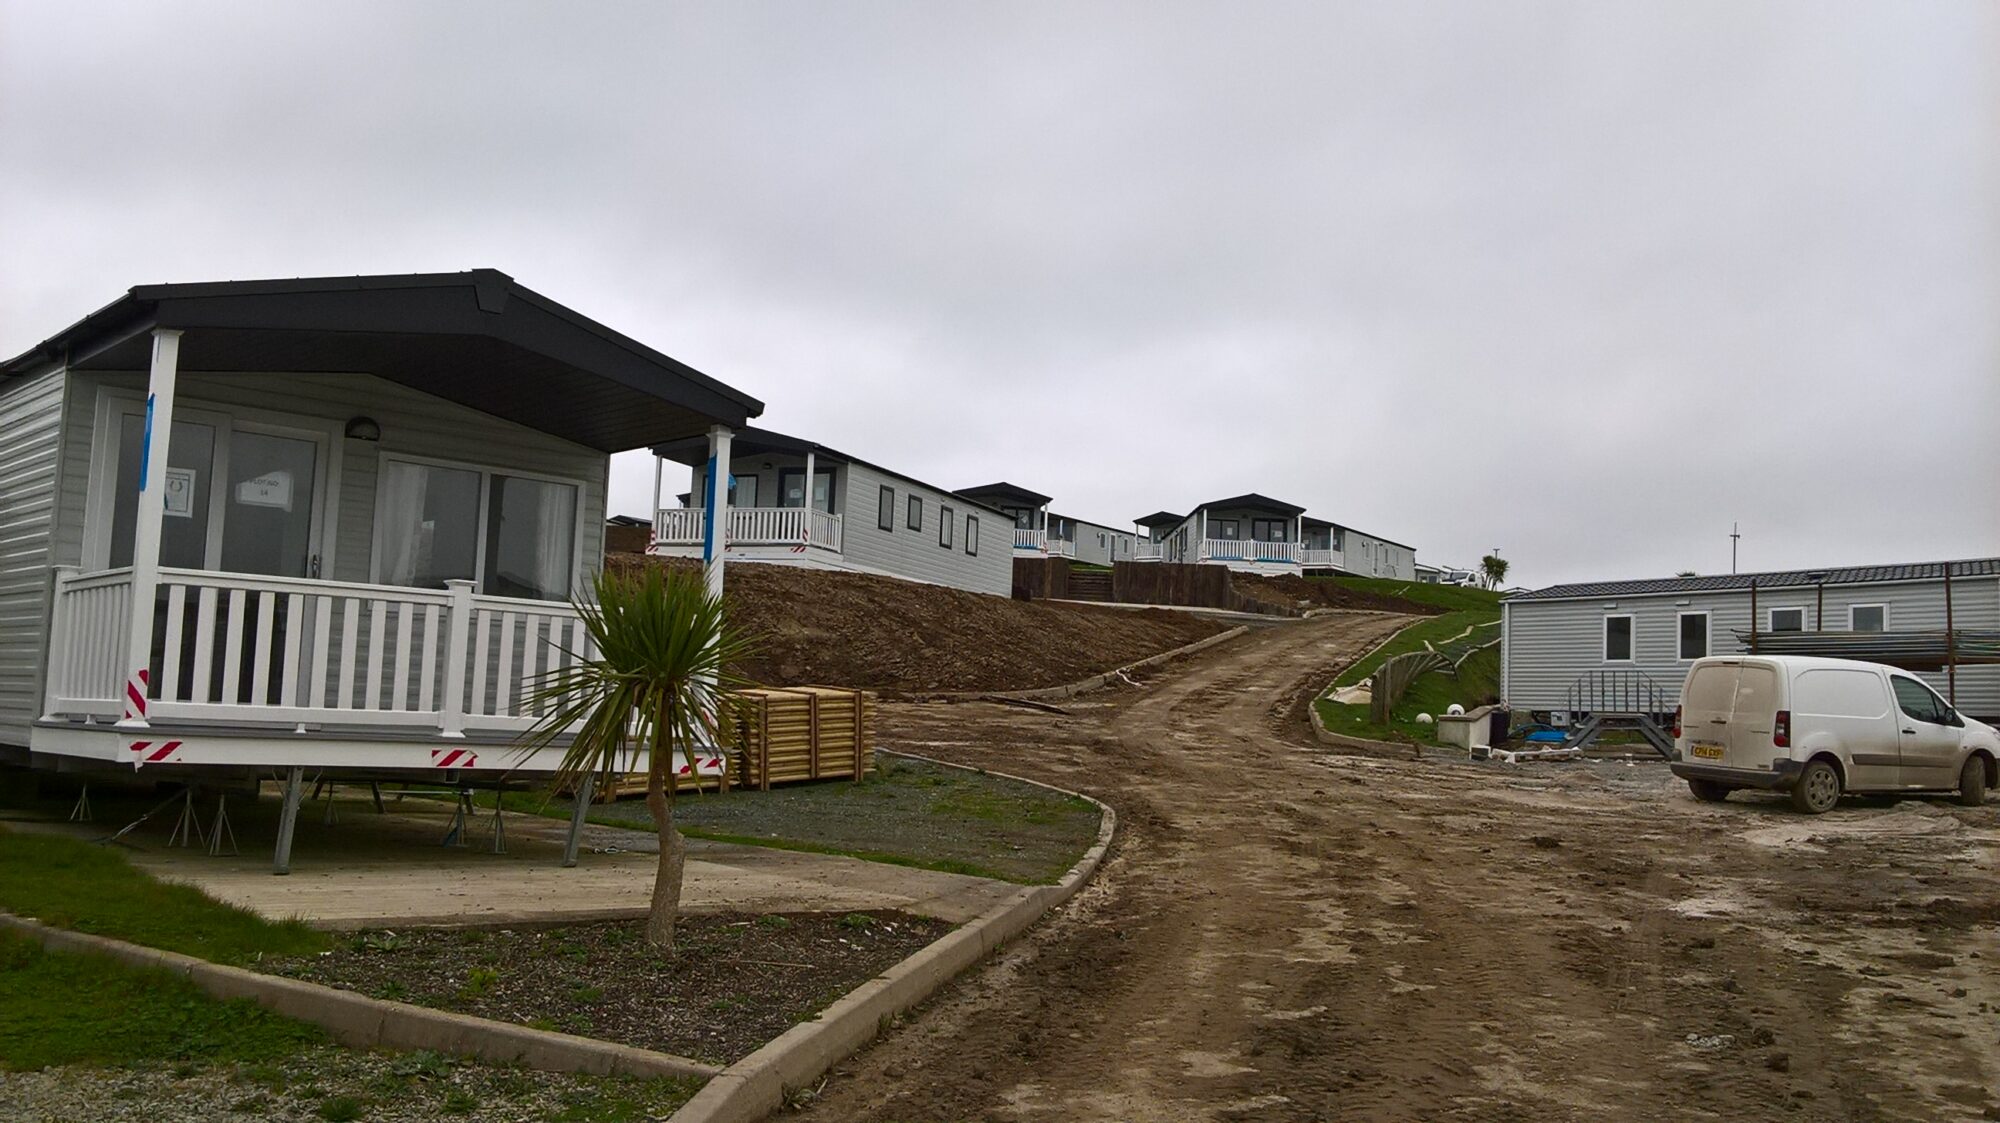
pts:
[1249, 550]
[751, 526]
[1040, 542]
[285, 651]
[1149, 551]
[1319, 559]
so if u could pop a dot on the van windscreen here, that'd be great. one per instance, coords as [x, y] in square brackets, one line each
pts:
[1756, 691]
[1827, 692]
[1710, 689]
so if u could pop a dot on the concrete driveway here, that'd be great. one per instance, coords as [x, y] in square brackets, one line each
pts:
[370, 869]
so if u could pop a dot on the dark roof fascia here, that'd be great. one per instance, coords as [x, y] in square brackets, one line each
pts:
[595, 348]
[1160, 518]
[1908, 573]
[1006, 491]
[1253, 501]
[781, 442]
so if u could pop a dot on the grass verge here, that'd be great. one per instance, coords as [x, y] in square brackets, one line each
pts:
[59, 1009]
[1478, 677]
[90, 888]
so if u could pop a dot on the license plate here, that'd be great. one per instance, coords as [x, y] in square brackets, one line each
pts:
[1707, 752]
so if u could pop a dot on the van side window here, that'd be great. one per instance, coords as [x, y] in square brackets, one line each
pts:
[1916, 700]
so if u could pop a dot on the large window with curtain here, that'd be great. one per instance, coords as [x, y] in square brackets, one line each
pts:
[514, 535]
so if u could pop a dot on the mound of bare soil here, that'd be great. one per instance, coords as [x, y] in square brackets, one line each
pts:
[880, 633]
[1289, 592]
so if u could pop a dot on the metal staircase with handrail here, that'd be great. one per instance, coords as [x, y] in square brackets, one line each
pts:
[1618, 699]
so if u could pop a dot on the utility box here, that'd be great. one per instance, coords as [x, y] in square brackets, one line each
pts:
[1469, 730]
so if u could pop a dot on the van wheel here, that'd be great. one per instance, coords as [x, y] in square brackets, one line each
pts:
[1972, 782]
[1709, 791]
[1818, 788]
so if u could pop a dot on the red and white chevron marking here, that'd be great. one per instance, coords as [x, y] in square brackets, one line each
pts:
[152, 752]
[454, 758]
[135, 695]
[800, 549]
[705, 765]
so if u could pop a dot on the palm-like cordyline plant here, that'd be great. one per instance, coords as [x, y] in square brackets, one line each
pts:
[656, 687]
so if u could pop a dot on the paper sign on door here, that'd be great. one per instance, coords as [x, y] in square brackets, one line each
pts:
[179, 494]
[272, 489]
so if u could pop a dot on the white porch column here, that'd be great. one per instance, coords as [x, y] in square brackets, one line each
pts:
[811, 469]
[714, 531]
[152, 511]
[653, 516]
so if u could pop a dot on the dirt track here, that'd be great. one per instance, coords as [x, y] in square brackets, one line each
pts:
[1286, 934]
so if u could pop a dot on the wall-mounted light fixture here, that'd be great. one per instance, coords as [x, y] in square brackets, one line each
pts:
[363, 429]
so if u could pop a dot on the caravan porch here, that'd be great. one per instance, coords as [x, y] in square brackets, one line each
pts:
[268, 672]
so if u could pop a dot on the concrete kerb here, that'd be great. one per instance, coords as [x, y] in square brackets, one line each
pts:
[362, 1022]
[1070, 689]
[756, 1086]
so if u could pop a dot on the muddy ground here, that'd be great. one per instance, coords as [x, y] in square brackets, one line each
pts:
[813, 627]
[1282, 933]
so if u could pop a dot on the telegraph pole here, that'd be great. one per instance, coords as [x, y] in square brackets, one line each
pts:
[1733, 536]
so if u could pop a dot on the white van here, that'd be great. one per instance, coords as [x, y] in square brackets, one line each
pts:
[1820, 727]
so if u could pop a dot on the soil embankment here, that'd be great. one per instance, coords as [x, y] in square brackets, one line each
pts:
[879, 633]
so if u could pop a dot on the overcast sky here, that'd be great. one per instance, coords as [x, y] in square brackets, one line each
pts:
[1584, 282]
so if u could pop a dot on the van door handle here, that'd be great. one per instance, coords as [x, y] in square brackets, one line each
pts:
[1718, 721]
[1911, 732]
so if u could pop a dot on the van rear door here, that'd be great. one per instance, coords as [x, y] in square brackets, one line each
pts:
[1754, 716]
[1706, 700]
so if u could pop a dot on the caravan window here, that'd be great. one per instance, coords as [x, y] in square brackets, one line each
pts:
[1868, 618]
[1694, 635]
[1787, 620]
[1617, 639]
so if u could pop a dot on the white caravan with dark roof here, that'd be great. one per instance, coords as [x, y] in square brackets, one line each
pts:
[1821, 728]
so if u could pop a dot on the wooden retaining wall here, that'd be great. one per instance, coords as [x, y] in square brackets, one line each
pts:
[1195, 586]
[1041, 578]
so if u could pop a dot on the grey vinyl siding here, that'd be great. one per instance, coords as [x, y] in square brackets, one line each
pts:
[413, 424]
[910, 554]
[1368, 556]
[31, 411]
[915, 554]
[1089, 549]
[1550, 643]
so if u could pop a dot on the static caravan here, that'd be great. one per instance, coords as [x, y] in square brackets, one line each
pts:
[1369, 555]
[1092, 543]
[791, 501]
[1646, 633]
[1041, 533]
[324, 525]
[1252, 533]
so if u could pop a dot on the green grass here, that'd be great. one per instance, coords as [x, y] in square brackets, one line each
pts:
[1449, 597]
[58, 1008]
[1478, 679]
[91, 888]
[907, 813]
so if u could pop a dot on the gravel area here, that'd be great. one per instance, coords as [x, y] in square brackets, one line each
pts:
[734, 982]
[331, 1083]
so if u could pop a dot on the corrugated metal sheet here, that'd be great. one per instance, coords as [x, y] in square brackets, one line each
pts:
[30, 443]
